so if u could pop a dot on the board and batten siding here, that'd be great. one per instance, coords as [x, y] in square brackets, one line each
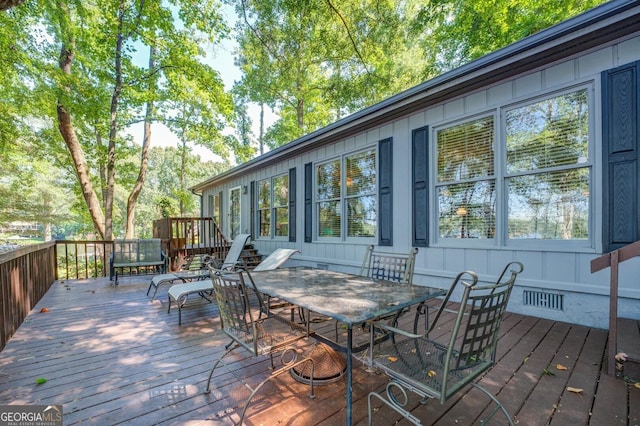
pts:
[560, 275]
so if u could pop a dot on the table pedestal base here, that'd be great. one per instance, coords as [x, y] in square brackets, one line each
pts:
[328, 366]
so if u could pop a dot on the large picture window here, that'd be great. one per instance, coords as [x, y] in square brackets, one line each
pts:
[530, 181]
[273, 207]
[465, 181]
[347, 188]
[548, 168]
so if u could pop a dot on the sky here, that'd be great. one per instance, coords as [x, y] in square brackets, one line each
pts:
[221, 59]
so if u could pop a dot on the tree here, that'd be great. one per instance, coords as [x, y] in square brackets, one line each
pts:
[33, 190]
[454, 32]
[317, 60]
[99, 89]
[163, 194]
[8, 4]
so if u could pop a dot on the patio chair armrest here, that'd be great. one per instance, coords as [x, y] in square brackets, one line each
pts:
[391, 329]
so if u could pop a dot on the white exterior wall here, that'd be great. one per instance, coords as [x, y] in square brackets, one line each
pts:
[565, 273]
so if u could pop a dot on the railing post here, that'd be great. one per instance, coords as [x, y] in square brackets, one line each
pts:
[613, 314]
[612, 260]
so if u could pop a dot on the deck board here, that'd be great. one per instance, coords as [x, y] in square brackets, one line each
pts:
[112, 356]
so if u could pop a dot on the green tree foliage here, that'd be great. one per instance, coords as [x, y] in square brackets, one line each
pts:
[454, 32]
[162, 194]
[76, 74]
[316, 61]
[74, 66]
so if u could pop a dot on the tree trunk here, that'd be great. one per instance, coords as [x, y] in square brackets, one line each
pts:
[113, 127]
[144, 161]
[8, 4]
[261, 137]
[75, 149]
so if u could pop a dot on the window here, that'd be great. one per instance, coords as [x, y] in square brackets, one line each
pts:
[215, 212]
[264, 208]
[273, 207]
[347, 187]
[281, 205]
[548, 168]
[531, 181]
[466, 184]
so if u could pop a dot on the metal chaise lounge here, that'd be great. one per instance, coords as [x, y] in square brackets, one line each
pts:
[179, 293]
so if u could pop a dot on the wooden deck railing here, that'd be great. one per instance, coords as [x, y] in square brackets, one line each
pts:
[25, 276]
[190, 235]
[82, 259]
[27, 273]
[613, 260]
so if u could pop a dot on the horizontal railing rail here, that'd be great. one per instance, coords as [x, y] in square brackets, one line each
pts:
[25, 276]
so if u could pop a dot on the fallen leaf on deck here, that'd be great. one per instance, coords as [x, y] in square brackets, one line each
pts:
[547, 372]
[41, 380]
[431, 373]
[561, 367]
[43, 310]
[574, 390]
[392, 359]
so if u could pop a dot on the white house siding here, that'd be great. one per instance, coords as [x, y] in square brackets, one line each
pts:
[560, 273]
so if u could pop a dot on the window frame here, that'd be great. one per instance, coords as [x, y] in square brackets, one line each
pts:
[272, 209]
[435, 185]
[344, 197]
[501, 239]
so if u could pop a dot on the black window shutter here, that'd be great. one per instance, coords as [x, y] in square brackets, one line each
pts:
[621, 180]
[308, 202]
[292, 205]
[420, 186]
[220, 199]
[252, 209]
[385, 192]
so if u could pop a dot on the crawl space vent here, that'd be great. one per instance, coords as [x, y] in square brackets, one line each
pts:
[541, 299]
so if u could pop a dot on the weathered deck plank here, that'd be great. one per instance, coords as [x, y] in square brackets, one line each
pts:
[111, 356]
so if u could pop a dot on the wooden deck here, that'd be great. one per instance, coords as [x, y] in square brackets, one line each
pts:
[110, 356]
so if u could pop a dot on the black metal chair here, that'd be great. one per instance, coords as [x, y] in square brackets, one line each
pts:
[438, 370]
[258, 333]
[377, 264]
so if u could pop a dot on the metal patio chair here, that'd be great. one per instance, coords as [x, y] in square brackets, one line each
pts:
[259, 333]
[377, 264]
[438, 370]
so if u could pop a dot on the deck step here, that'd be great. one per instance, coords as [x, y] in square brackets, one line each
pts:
[250, 256]
[629, 344]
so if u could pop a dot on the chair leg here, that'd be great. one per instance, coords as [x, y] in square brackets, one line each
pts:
[498, 404]
[276, 374]
[392, 402]
[230, 348]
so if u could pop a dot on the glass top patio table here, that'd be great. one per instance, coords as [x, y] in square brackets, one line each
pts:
[351, 299]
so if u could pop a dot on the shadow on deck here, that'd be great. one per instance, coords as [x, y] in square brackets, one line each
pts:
[110, 356]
